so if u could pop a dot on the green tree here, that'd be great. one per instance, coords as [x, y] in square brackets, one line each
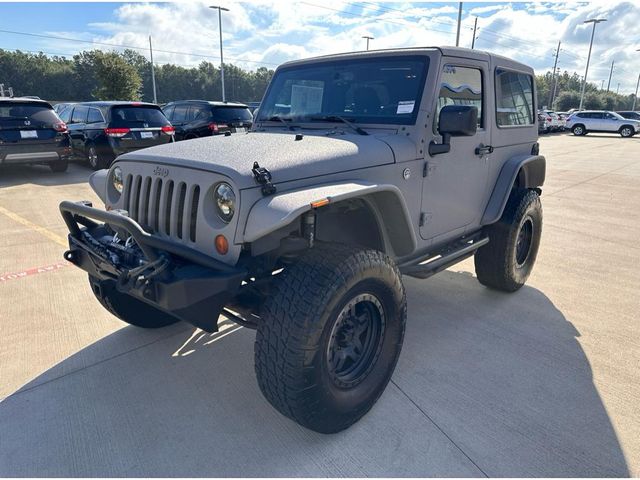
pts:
[115, 78]
[567, 100]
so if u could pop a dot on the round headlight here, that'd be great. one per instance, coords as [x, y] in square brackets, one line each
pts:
[225, 201]
[116, 179]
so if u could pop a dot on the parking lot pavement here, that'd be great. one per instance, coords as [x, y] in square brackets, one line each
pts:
[543, 382]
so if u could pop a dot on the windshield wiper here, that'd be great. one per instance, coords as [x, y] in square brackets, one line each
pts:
[338, 118]
[277, 118]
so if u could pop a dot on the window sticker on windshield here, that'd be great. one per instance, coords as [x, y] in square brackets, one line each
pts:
[306, 99]
[405, 106]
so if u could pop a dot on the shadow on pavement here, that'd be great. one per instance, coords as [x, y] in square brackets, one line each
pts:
[13, 175]
[503, 376]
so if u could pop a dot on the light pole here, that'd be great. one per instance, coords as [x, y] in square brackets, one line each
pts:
[459, 21]
[637, 84]
[220, 10]
[368, 38]
[595, 21]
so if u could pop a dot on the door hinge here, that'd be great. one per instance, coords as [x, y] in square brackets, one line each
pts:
[425, 217]
[427, 169]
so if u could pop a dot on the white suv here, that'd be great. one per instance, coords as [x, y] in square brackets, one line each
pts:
[581, 123]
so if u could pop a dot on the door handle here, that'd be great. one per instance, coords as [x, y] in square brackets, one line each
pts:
[484, 150]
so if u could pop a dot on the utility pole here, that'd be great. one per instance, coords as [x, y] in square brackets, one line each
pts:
[610, 73]
[220, 9]
[459, 21]
[1, 89]
[618, 89]
[368, 38]
[153, 73]
[595, 21]
[552, 91]
[602, 85]
[475, 27]
[635, 97]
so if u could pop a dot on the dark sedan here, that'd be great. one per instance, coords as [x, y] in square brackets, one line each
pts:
[100, 131]
[32, 133]
[201, 118]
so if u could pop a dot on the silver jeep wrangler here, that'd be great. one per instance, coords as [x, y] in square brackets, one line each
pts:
[360, 168]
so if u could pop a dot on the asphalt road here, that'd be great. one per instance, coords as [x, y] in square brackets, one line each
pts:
[543, 382]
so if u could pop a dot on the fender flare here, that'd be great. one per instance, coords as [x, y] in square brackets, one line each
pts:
[277, 211]
[527, 171]
[98, 182]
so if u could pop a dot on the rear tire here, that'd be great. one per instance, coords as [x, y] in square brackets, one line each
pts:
[128, 309]
[59, 166]
[505, 263]
[578, 130]
[96, 160]
[330, 336]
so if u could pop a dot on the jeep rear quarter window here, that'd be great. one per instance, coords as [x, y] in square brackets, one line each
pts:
[379, 90]
[514, 98]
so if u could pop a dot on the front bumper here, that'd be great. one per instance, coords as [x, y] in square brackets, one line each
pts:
[171, 277]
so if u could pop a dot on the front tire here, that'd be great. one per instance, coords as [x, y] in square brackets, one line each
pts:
[330, 336]
[626, 131]
[128, 309]
[578, 130]
[505, 263]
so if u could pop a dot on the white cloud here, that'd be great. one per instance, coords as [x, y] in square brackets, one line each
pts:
[273, 31]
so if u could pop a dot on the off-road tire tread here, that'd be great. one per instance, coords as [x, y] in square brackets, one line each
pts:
[493, 267]
[283, 340]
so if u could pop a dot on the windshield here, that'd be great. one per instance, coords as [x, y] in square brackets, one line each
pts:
[12, 113]
[379, 90]
[134, 116]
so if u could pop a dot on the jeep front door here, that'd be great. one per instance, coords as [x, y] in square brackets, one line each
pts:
[455, 183]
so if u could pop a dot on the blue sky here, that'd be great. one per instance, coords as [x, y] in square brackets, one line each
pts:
[266, 33]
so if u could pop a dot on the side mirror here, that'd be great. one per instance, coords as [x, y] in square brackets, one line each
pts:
[454, 121]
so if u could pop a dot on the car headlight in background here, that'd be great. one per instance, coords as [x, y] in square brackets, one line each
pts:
[225, 201]
[116, 179]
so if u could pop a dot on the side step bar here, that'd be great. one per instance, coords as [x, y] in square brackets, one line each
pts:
[435, 263]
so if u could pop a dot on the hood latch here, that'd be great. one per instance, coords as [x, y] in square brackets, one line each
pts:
[263, 177]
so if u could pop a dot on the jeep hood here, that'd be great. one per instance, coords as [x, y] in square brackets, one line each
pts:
[285, 157]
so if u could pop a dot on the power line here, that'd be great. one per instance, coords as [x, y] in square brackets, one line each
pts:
[129, 46]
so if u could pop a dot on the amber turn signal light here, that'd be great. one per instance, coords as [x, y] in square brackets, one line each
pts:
[222, 245]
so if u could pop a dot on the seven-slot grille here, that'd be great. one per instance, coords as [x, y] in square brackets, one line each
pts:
[163, 206]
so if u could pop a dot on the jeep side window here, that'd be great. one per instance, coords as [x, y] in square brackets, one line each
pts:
[460, 86]
[514, 98]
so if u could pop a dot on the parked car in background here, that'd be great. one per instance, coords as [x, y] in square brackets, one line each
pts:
[562, 120]
[60, 107]
[630, 115]
[201, 118]
[32, 133]
[542, 123]
[581, 123]
[100, 131]
[552, 122]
